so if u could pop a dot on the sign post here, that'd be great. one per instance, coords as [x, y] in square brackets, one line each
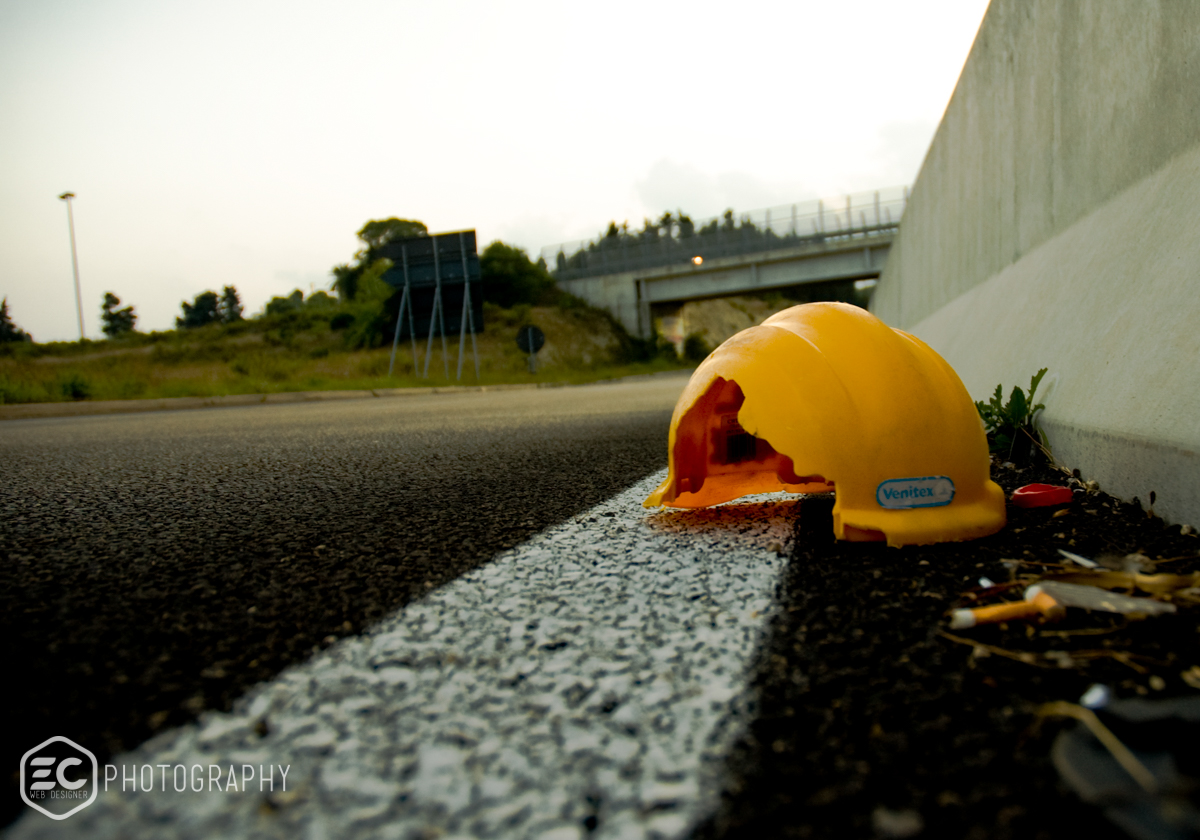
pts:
[437, 313]
[405, 302]
[531, 339]
[468, 317]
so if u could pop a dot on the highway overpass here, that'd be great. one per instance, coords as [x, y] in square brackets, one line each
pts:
[636, 275]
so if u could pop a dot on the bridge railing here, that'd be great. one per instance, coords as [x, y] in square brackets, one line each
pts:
[676, 239]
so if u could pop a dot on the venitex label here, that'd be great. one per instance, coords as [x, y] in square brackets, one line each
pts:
[930, 491]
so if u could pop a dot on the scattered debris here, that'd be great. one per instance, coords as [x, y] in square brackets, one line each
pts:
[1082, 561]
[1042, 495]
[1036, 604]
[1052, 658]
[1048, 600]
[1048, 595]
[1135, 562]
[1088, 597]
[1134, 758]
[945, 719]
[1121, 753]
[1097, 696]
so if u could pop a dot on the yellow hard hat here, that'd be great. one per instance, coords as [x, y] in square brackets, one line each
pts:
[823, 396]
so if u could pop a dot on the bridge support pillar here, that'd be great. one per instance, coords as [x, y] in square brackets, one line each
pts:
[645, 319]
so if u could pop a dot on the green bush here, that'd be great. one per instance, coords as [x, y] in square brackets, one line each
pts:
[368, 329]
[320, 300]
[14, 391]
[74, 386]
[509, 277]
[1012, 427]
[280, 305]
[204, 309]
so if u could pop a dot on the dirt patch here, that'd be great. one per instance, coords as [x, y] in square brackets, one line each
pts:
[871, 721]
[717, 319]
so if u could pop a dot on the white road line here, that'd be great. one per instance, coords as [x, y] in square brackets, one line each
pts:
[585, 684]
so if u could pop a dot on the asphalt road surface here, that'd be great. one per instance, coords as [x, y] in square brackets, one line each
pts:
[154, 566]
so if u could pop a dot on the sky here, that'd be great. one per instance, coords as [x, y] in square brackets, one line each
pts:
[244, 143]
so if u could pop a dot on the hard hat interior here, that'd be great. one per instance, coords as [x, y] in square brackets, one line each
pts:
[716, 460]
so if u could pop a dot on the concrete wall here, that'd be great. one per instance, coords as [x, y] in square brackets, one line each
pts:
[618, 293]
[1056, 223]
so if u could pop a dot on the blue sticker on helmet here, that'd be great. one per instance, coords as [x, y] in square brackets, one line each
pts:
[903, 493]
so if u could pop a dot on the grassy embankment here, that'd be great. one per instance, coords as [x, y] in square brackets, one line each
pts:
[301, 351]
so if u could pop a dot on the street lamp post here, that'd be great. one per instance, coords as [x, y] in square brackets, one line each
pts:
[67, 196]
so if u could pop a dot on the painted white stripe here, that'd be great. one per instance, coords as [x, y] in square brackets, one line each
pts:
[598, 670]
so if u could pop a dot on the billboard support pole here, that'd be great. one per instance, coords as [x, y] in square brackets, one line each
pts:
[405, 301]
[395, 339]
[437, 313]
[412, 330]
[441, 308]
[468, 316]
[432, 316]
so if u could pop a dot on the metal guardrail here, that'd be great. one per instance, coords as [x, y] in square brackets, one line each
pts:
[679, 239]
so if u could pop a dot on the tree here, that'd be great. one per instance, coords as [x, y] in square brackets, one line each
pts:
[229, 309]
[205, 309]
[8, 330]
[377, 233]
[320, 300]
[649, 231]
[292, 303]
[345, 280]
[116, 322]
[686, 226]
[374, 234]
[667, 223]
[509, 277]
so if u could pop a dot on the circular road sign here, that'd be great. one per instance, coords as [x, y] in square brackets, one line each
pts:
[530, 339]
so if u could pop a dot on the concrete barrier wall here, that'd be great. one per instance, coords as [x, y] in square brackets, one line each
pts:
[1056, 223]
[615, 292]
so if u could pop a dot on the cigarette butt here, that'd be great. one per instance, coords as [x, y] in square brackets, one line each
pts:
[1036, 603]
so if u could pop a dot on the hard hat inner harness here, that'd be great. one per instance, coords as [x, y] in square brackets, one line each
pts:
[725, 456]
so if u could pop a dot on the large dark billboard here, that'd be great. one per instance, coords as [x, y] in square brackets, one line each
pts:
[445, 259]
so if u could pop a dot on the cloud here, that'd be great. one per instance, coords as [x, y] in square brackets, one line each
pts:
[532, 232]
[669, 186]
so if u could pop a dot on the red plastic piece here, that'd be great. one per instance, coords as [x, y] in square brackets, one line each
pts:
[1041, 495]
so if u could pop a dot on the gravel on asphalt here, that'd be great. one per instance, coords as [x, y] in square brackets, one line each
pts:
[587, 683]
[154, 566]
